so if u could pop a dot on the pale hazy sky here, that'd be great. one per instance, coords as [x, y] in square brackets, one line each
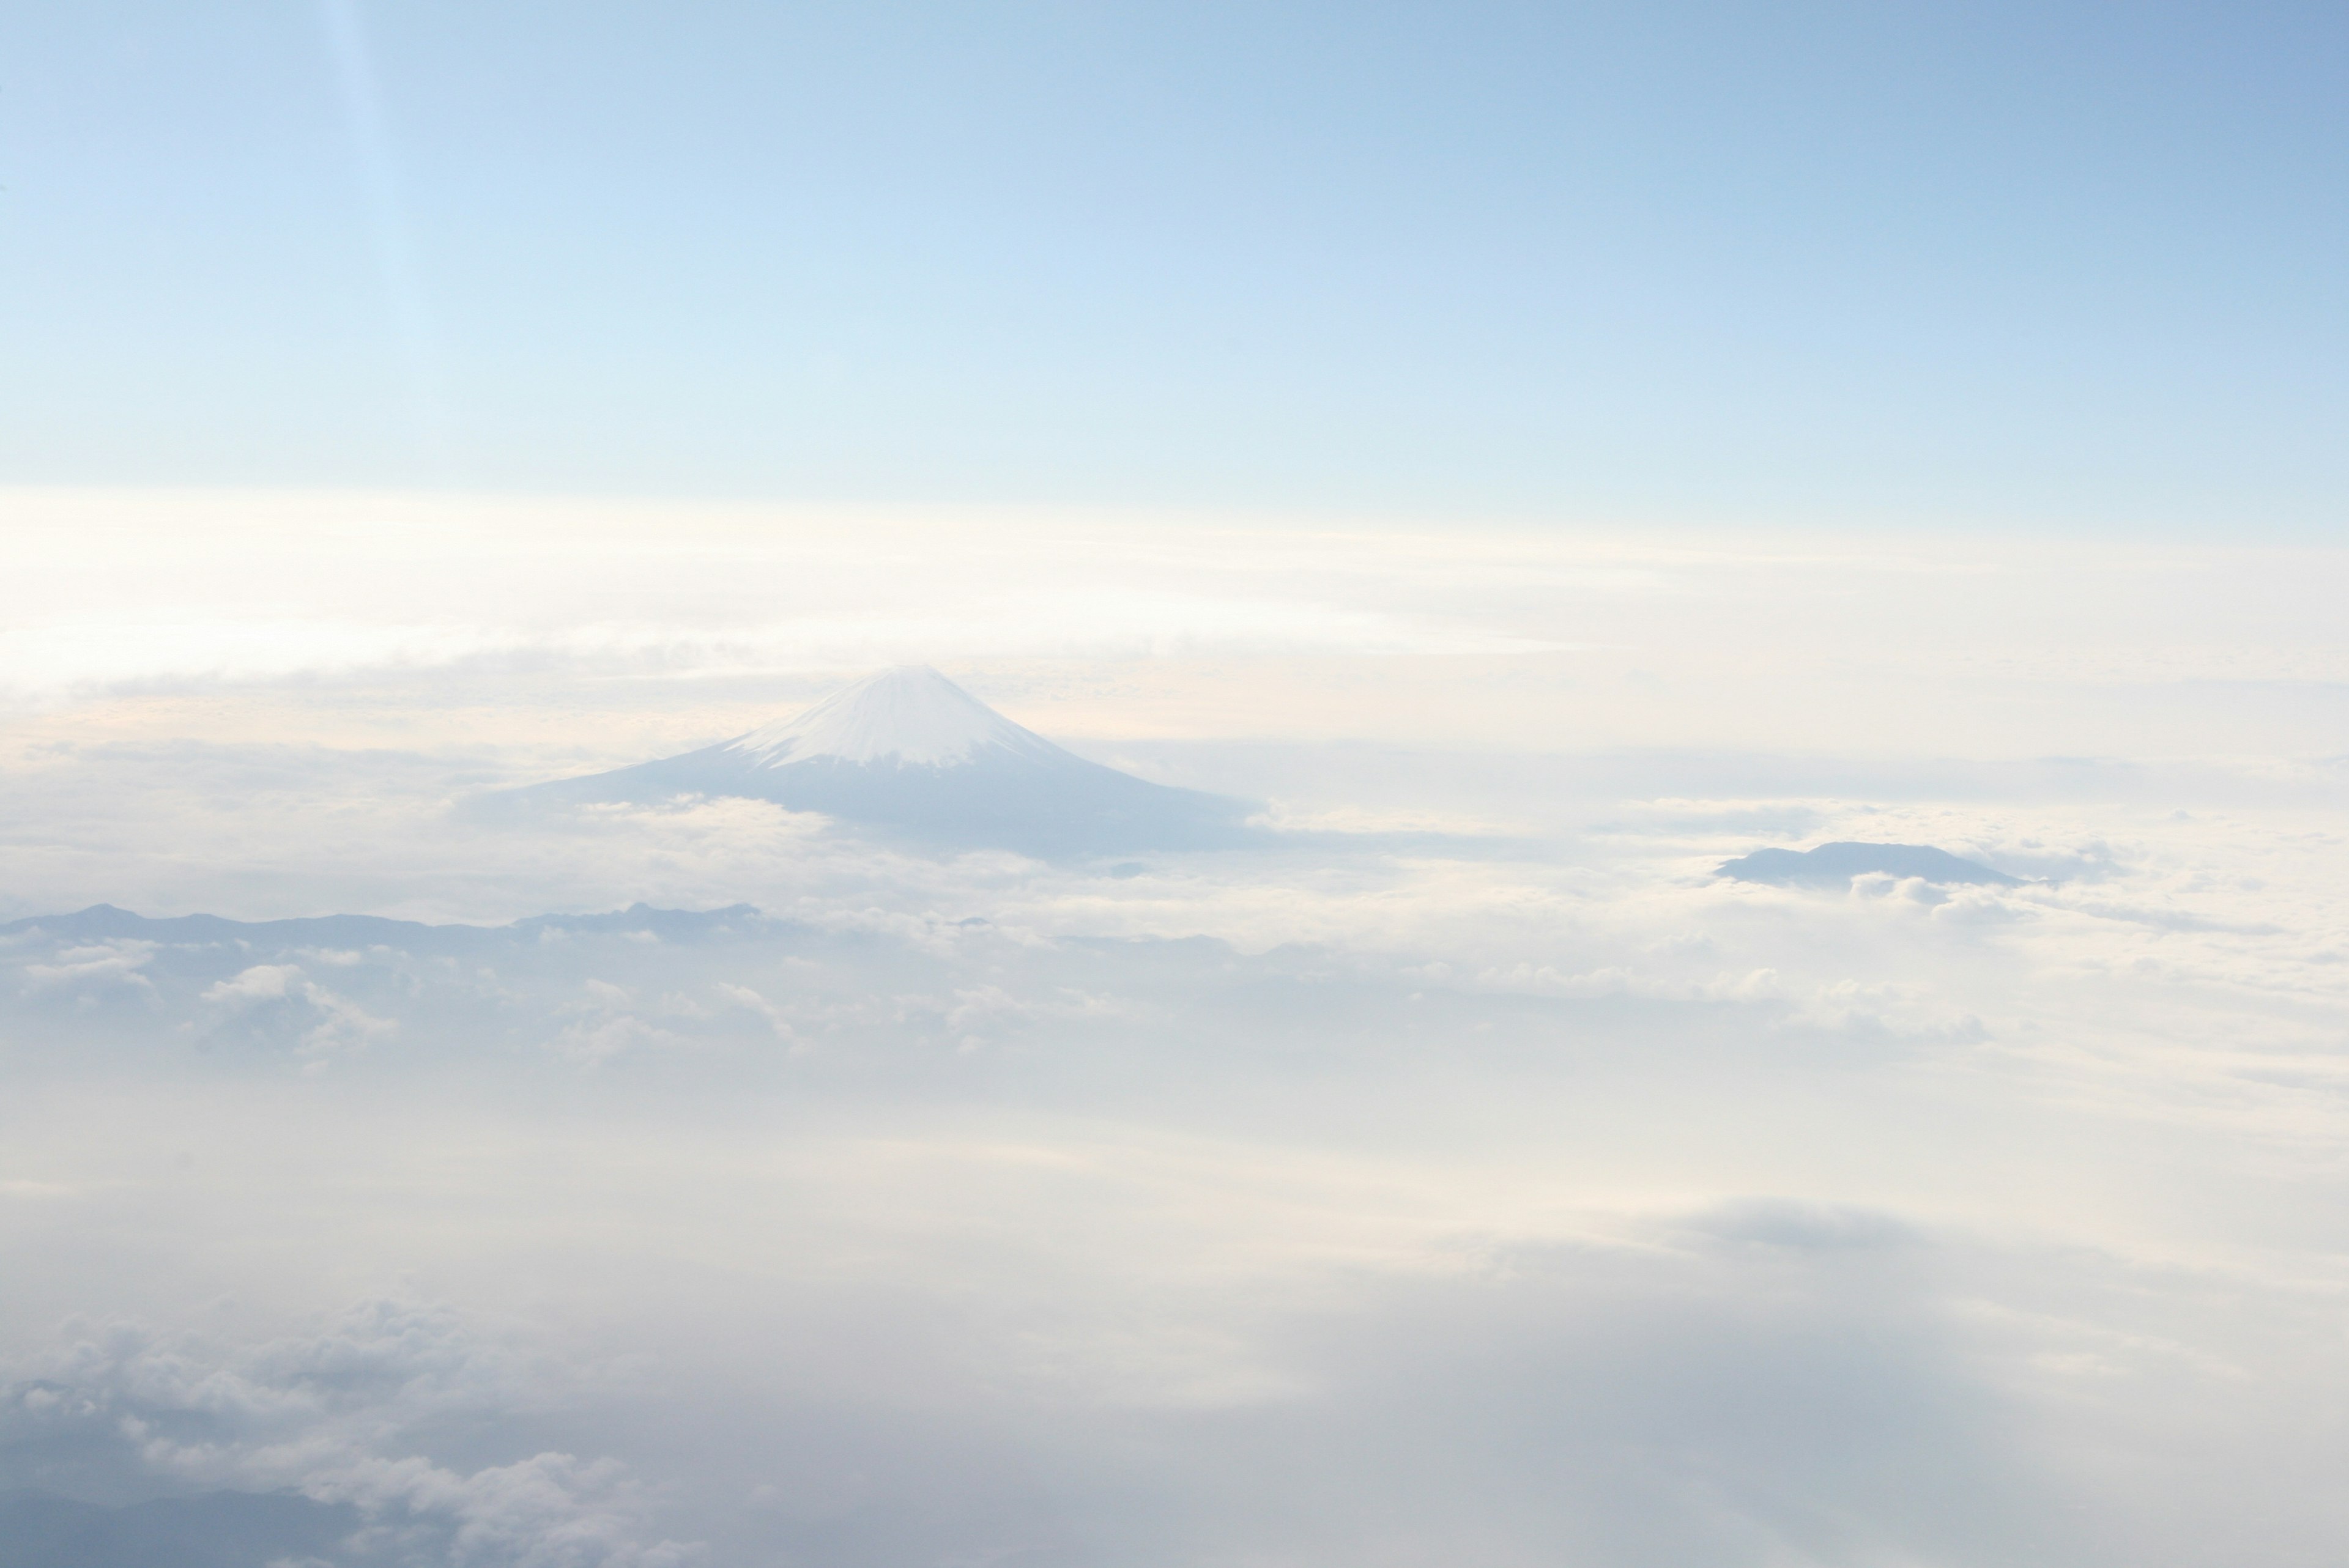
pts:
[2047, 266]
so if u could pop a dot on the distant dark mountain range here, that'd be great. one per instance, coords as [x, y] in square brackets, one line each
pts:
[104, 922]
[1834, 865]
[910, 752]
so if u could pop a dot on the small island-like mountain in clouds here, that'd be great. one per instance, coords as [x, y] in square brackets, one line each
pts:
[910, 752]
[1834, 865]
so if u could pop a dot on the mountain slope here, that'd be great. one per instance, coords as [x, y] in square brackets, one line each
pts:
[1834, 865]
[909, 751]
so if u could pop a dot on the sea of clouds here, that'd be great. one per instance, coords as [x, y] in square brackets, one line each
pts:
[1475, 1179]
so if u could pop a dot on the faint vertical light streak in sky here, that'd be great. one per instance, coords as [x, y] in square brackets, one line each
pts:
[415, 335]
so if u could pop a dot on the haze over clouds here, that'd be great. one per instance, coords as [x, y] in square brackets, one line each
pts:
[1717, 936]
[1468, 1172]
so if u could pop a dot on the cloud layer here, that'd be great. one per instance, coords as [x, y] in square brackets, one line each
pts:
[1469, 1176]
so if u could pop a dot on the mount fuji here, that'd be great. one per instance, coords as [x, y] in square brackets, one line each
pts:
[909, 751]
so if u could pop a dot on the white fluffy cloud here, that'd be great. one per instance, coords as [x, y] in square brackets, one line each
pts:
[263, 982]
[101, 964]
[336, 1415]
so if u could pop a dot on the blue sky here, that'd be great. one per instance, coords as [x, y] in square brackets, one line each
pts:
[2054, 266]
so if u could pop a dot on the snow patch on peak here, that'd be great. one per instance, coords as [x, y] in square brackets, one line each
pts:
[909, 715]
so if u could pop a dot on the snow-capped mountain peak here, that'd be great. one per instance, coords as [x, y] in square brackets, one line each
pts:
[909, 716]
[910, 753]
